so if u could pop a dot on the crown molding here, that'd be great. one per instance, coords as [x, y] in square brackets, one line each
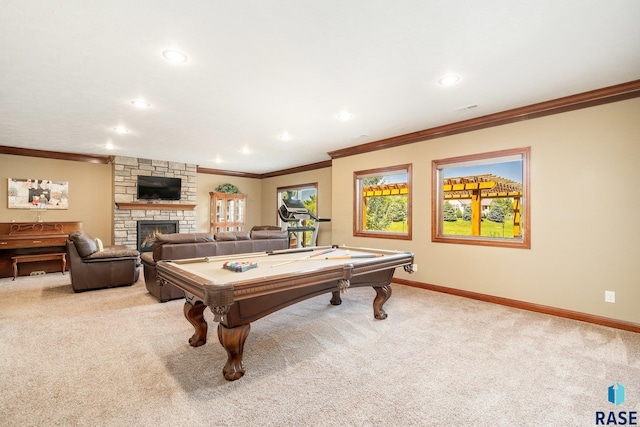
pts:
[227, 173]
[55, 155]
[592, 98]
[305, 168]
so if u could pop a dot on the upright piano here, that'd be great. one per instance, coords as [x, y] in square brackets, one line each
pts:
[26, 238]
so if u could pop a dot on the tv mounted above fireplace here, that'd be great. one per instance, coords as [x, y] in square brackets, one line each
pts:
[159, 188]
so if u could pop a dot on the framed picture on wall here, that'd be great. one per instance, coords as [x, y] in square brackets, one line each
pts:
[32, 193]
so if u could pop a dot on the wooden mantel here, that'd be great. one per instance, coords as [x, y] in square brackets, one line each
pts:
[156, 206]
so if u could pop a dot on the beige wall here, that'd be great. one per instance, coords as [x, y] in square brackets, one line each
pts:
[323, 179]
[249, 186]
[584, 167]
[90, 192]
[583, 208]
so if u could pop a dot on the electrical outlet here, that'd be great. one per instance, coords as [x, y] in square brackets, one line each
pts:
[609, 296]
[414, 267]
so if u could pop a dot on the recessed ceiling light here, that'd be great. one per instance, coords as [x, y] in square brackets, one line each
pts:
[140, 103]
[121, 130]
[174, 56]
[109, 145]
[245, 150]
[344, 116]
[449, 79]
[285, 136]
[218, 159]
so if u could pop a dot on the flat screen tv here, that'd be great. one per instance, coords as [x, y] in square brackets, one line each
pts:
[159, 188]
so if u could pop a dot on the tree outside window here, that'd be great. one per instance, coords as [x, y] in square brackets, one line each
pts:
[383, 198]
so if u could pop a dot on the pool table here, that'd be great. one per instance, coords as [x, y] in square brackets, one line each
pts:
[240, 289]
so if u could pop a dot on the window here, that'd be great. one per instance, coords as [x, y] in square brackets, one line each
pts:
[482, 199]
[308, 195]
[383, 203]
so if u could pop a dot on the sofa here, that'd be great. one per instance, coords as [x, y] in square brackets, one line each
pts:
[197, 245]
[94, 266]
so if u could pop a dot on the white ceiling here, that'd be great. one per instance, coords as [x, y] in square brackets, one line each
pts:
[69, 69]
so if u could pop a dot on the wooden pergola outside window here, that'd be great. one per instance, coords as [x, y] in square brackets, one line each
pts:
[383, 204]
[487, 186]
[475, 178]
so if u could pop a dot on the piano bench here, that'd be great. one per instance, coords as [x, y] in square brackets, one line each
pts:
[62, 256]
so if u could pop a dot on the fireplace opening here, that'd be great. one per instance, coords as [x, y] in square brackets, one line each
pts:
[148, 230]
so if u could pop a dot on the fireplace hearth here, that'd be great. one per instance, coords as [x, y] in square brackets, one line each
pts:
[148, 230]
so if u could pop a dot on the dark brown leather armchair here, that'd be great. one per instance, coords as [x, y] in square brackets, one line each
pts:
[97, 268]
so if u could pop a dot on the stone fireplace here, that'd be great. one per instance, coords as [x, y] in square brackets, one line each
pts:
[148, 230]
[129, 210]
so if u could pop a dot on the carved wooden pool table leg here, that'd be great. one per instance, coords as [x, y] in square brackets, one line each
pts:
[232, 339]
[382, 295]
[194, 314]
[336, 299]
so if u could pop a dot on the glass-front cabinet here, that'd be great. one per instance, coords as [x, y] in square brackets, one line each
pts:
[227, 211]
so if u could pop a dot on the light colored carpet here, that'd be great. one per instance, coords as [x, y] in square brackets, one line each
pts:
[117, 357]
